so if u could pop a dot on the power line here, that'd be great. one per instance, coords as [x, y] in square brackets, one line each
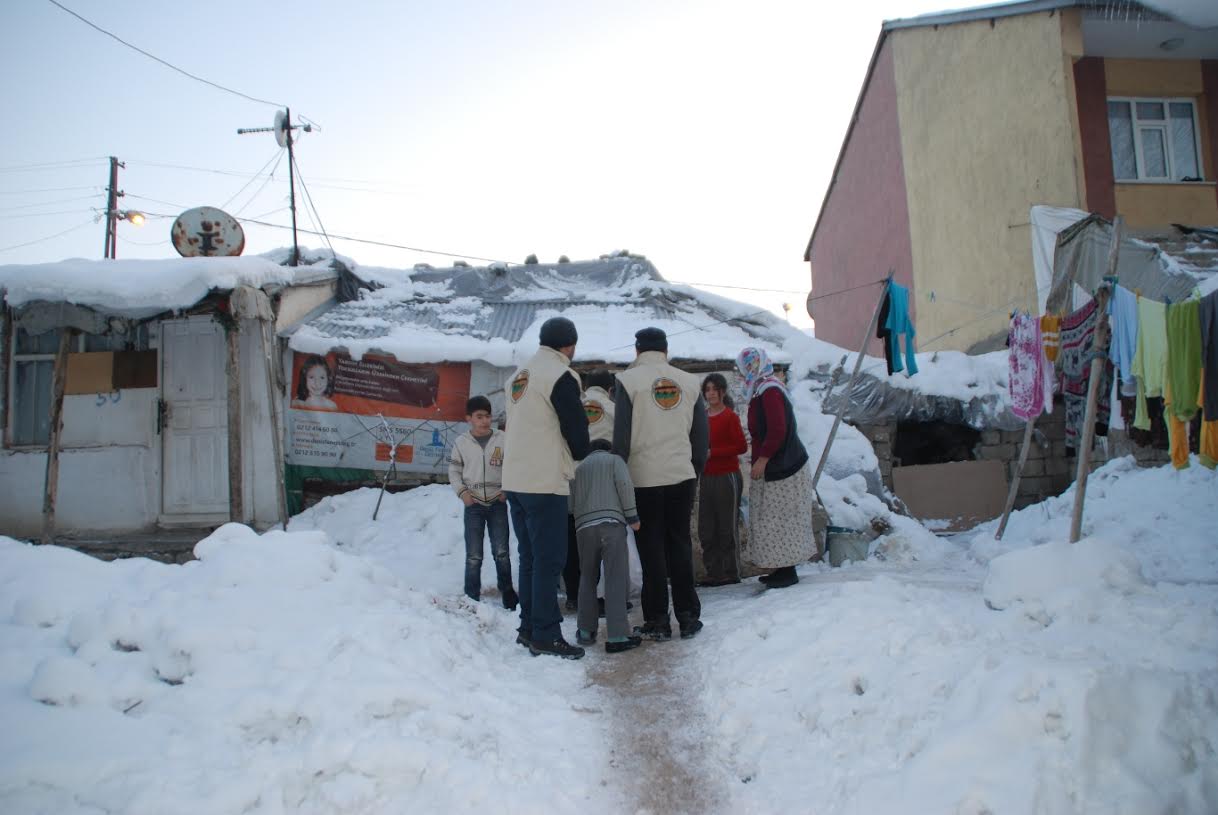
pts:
[169, 65]
[270, 177]
[371, 242]
[40, 214]
[318, 181]
[48, 237]
[155, 201]
[278, 154]
[49, 189]
[50, 203]
[309, 200]
[73, 163]
[741, 288]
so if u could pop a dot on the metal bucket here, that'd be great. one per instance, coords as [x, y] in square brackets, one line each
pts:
[846, 544]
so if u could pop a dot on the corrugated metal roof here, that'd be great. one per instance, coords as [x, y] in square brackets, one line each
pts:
[502, 319]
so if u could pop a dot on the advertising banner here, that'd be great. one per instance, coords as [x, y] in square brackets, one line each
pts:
[376, 412]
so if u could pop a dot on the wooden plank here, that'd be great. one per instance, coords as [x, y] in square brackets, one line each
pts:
[845, 399]
[1023, 459]
[236, 493]
[273, 394]
[51, 484]
[1100, 351]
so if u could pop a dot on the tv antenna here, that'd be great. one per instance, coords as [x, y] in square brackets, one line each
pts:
[282, 128]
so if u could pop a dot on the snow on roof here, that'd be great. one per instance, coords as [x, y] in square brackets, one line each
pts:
[136, 287]
[494, 314]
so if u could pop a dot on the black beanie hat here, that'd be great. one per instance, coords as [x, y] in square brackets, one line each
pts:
[558, 332]
[650, 339]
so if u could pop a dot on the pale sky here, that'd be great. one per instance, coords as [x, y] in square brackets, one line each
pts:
[700, 134]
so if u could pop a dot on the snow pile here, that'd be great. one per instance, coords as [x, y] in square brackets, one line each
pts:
[276, 674]
[876, 689]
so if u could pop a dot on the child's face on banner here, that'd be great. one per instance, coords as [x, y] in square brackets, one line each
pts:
[317, 380]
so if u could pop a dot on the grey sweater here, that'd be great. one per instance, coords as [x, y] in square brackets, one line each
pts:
[602, 490]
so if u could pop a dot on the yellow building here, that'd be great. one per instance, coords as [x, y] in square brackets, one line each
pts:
[967, 119]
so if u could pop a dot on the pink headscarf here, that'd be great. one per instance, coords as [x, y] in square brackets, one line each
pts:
[758, 372]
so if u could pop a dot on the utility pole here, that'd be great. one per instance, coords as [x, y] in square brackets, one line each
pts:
[113, 193]
[282, 129]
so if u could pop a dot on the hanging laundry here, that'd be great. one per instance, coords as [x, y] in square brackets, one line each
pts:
[898, 324]
[1028, 368]
[1123, 309]
[1209, 355]
[1050, 325]
[1177, 430]
[1184, 356]
[881, 328]
[1150, 360]
[1208, 448]
[1074, 360]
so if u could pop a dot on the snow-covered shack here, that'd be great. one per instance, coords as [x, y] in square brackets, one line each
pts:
[167, 390]
[401, 361]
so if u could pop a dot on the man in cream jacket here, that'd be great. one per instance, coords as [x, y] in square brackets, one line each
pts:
[660, 428]
[547, 432]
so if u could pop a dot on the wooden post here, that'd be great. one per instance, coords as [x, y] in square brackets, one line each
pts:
[1023, 459]
[845, 399]
[236, 490]
[272, 391]
[1099, 349]
[51, 485]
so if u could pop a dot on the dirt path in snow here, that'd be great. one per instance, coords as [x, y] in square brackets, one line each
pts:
[660, 736]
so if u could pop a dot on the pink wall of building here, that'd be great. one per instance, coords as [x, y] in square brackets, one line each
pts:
[863, 229]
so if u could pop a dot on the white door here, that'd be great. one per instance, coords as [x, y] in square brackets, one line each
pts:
[194, 439]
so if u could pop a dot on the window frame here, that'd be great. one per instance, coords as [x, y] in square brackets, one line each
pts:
[15, 360]
[1165, 126]
[142, 340]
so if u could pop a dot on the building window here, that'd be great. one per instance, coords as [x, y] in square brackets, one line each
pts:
[1154, 139]
[33, 368]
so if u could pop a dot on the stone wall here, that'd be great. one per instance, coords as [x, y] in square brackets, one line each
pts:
[1048, 470]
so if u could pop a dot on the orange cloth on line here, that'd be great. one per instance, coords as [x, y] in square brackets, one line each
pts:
[1177, 431]
[1209, 435]
[1050, 326]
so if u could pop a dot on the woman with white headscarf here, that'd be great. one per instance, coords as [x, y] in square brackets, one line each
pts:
[780, 492]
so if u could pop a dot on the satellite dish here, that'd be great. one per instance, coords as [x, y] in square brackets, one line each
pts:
[281, 128]
[207, 232]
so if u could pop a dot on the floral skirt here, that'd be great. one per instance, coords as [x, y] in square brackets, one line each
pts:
[780, 521]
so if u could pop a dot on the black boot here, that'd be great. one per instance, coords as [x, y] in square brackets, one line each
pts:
[510, 600]
[781, 578]
[556, 648]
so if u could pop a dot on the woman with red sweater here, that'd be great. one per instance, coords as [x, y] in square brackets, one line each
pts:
[780, 492]
[719, 486]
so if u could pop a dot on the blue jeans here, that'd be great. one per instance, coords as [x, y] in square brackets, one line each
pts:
[492, 520]
[540, 521]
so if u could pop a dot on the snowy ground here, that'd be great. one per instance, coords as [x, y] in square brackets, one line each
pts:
[335, 668]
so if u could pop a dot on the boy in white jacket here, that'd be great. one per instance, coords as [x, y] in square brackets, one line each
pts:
[475, 471]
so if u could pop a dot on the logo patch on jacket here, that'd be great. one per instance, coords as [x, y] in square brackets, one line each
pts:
[497, 457]
[594, 411]
[520, 384]
[666, 393]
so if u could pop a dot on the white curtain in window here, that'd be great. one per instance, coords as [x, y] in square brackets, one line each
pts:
[1183, 142]
[1154, 153]
[1120, 134]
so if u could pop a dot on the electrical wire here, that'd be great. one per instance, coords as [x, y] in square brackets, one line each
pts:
[154, 200]
[40, 214]
[272, 212]
[270, 177]
[741, 288]
[50, 189]
[318, 182]
[48, 237]
[73, 163]
[155, 58]
[144, 243]
[50, 203]
[309, 200]
[277, 154]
